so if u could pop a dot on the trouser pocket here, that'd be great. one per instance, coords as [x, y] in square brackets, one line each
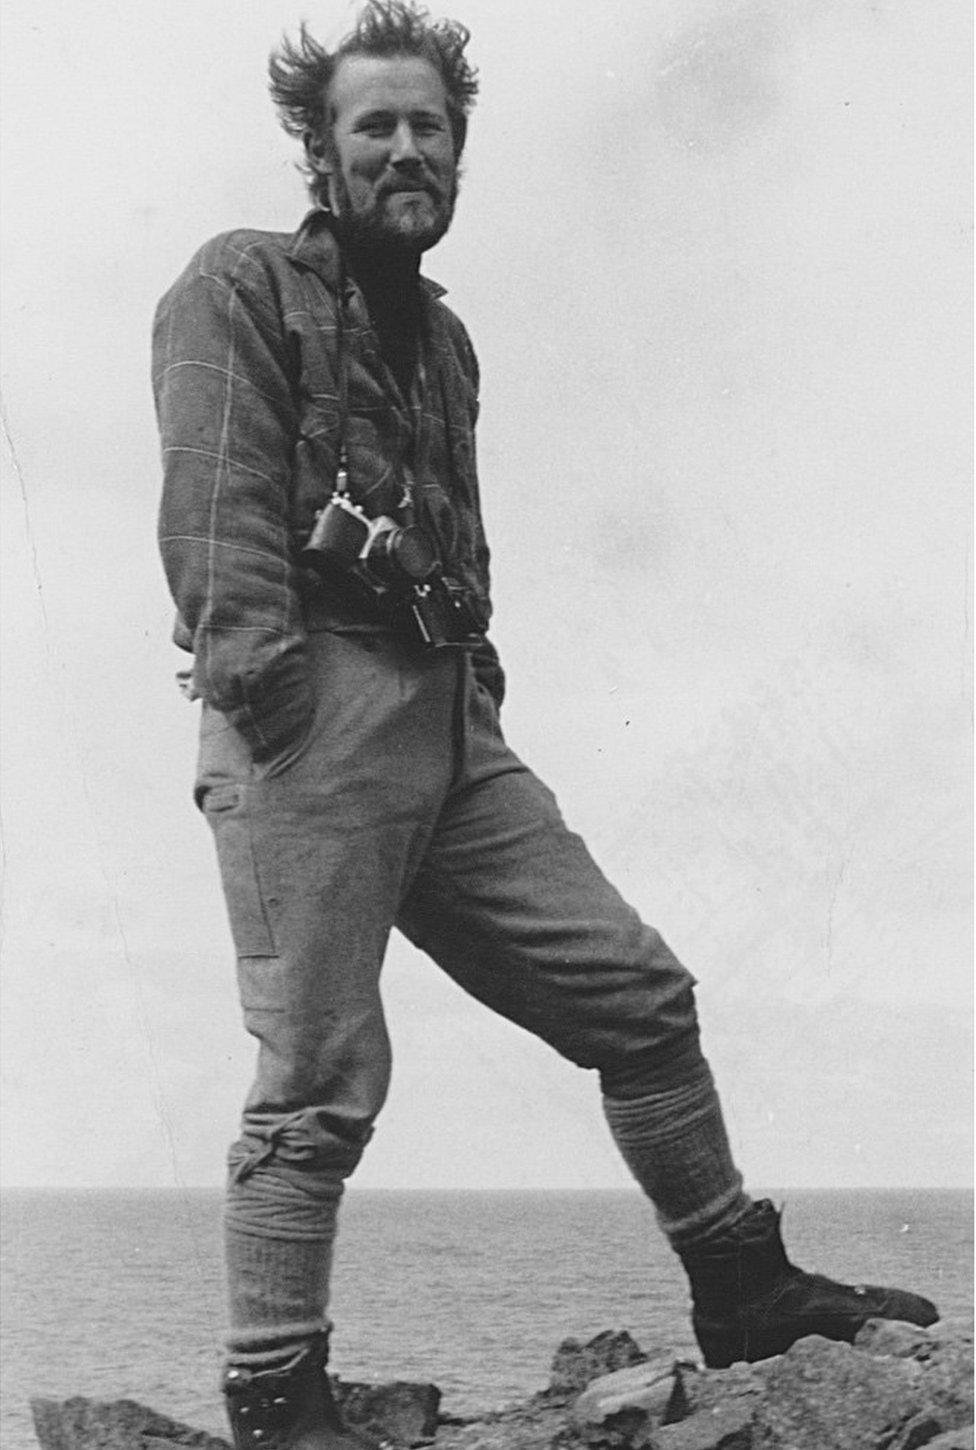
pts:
[226, 808]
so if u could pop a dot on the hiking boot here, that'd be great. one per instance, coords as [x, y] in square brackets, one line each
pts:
[290, 1407]
[749, 1301]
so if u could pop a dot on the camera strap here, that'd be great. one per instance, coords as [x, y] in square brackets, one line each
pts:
[405, 507]
[342, 467]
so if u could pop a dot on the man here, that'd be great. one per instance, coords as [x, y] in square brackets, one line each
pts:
[321, 532]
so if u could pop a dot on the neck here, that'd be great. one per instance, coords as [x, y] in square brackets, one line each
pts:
[389, 279]
[382, 268]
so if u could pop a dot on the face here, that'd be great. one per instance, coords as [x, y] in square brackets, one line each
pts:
[390, 159]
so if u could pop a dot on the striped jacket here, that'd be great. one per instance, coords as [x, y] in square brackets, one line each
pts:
[247, 385]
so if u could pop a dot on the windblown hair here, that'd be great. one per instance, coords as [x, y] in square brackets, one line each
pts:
[300, 71]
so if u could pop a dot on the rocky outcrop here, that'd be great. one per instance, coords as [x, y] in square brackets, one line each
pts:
[80, 1424]
[403, 1413]
[896, 1388]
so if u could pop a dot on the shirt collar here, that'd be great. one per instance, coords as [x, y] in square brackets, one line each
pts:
[314, 246]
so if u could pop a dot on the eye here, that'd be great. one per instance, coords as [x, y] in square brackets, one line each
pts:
[375, 125]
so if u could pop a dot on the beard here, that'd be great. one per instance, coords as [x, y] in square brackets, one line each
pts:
[405, 222]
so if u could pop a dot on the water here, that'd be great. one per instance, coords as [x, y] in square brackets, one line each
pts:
[117, 1294]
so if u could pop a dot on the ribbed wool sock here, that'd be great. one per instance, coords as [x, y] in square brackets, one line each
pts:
[674, 1142]
[279, 1233]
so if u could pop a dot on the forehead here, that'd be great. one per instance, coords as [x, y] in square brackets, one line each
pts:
[401, 83]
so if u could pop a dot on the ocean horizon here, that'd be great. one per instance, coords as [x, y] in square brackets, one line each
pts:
[117, 1293]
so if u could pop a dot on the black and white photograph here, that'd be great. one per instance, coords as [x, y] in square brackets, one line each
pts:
[487, 725]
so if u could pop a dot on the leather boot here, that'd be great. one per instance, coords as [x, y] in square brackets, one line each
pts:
[750, 1302]
[291, 1407]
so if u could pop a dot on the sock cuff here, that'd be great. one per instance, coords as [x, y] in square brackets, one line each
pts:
[695, 1091]
[714, 1219]
[243, 1225]
[261, 1349]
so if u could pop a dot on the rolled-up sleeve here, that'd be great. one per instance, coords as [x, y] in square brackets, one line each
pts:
[223, 380]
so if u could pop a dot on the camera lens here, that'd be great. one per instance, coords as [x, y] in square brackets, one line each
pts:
[412, 552]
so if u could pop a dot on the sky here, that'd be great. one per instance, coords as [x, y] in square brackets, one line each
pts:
[716, 261]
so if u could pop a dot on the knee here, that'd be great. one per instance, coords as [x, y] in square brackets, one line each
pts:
[315, 1144]
[655, 1066]
[318, 1091]
[638, 1031]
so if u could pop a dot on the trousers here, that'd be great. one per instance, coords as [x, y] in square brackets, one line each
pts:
[404, 807]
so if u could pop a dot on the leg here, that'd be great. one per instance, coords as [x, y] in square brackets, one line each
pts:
[509, 902]
[315, 854]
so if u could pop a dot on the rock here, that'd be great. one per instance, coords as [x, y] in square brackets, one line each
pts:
[822, 1395]
[619, 1405]
[948, 1381]
[82, 1424]
[722, 1427]
[538, 1425]
[575, 1364]
[945, 1355]
[401, 1411]
[895, 1339]
[953, 1440]
[897, 1388]
[704, 1389]
[715, 1408]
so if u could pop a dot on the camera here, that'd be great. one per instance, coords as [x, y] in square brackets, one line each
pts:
[398, 567]
[385, 555]
[444, 613]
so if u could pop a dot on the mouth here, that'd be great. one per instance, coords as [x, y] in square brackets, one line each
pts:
[416, 188]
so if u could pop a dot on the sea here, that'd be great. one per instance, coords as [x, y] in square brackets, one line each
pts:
[117, 1293]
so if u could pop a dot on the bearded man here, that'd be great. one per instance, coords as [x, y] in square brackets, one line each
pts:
[322, 536]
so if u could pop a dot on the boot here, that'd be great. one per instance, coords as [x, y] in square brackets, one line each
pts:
[290, 1408]
[749, 1301]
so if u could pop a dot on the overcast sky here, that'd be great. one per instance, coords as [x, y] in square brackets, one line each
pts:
[715, 258]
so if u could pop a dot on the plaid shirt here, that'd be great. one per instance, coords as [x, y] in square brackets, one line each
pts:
[247, 387]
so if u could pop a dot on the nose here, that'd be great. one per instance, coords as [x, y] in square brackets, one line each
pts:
[404, 150]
